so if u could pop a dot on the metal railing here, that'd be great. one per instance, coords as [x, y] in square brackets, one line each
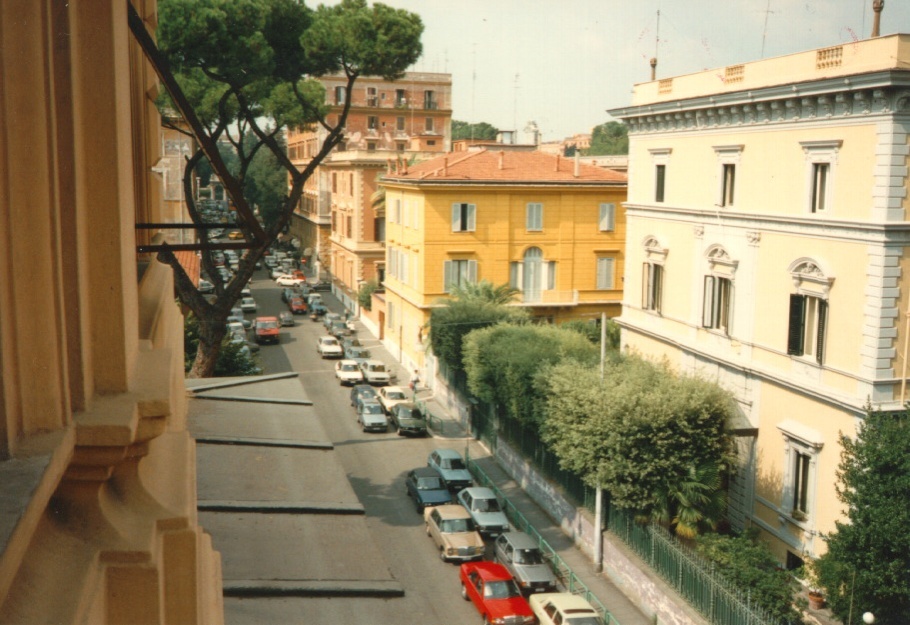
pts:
[567, 578]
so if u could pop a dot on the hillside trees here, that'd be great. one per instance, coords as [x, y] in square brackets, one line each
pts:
[479, 130]
[609, 138]
[245, 71]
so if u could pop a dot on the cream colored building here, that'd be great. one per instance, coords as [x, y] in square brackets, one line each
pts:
[98, 520]
[767, 227]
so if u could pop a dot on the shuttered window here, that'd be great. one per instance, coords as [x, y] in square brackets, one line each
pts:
[458, 272]
[534, 216]
[607, 221]
[806, 331]
[463, 217]
[605, 273]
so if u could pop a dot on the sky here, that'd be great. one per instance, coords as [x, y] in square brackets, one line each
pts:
[563, 63]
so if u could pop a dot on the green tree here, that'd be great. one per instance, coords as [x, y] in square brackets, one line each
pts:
[233, 360]
[484, 291]
[244, 71]
[502, 362]
[609, 138]
[641, 432]
[749, 564]
[867, 564]
[365, 294]
[480, 130]
[450, 323]
[591, 330]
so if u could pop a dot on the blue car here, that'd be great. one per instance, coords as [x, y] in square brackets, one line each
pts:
[427, 489]
[452, 469]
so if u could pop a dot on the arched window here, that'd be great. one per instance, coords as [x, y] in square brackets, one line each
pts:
[808, 316]
[533, 275]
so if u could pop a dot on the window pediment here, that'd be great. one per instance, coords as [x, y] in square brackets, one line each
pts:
[810, 278]
[654, 251]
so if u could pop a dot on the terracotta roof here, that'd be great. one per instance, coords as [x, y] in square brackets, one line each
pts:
[190, 263]
[501, 166]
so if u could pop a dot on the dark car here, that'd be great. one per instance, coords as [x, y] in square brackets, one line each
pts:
[426, 488]
[408, 419]
[362, 393]
[322, 285]
[317, 310]
[297, 306]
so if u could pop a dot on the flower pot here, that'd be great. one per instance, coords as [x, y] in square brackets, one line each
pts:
[816, 600]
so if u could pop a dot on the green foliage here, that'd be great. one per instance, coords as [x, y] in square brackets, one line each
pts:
[868, 557]
[232, 361]
[591, 330]
[449, 324]
[609, 138]
[749, 564]
[484, 292]
[480, 130]
[641, 432]
[502, 361]
[267, 185]
[365, 294]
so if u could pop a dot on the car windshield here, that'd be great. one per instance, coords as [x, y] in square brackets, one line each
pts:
[456, 525]
[267, 325]
[372, 409]
[486, 505]
[395, 395]
[528, 556]
[379, 368]
[454, 463]
[429, 483]
[503, 589]
[412, 413]
[351, 367]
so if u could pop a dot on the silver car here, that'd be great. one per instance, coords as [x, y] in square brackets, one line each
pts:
[521, 555]
[484, 508]
[371, 417]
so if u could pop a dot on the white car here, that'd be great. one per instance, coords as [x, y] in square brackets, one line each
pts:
[206, 287]
[563, 607]
[375, 372]
[391, 395]
[329, 347]
[287, 280]
[248, 304]
[348, 372]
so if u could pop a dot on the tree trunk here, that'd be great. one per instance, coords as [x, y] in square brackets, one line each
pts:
[210, 336]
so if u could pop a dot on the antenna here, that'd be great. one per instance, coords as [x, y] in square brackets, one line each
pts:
[764, 31]
[515, 105]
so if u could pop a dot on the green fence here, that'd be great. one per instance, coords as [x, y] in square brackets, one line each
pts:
[564, 573]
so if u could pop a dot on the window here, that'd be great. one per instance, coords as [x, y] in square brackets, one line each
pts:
[800, 483]
[801, 448]
[400, 99]
[806, 334]
[651, 282]
[716, 303]
[607, 220]
[605, 273]
[399, 146]
[458, 273]
[372, 122]
[534, 216]
[395, 216]
[660, 175]
[372, 100]
[819, 187]
[399, 124]
[339, 95]
[729, 177]
[463, 217]
[429, 100]
[821, 160]
[429, 124]
[371, 146]
[532, 275]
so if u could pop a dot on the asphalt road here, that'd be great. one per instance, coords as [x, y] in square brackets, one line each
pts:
[376, 465]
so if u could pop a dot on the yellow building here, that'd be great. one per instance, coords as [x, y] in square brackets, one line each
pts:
[767, 228]
[548, 226]
[98, 520]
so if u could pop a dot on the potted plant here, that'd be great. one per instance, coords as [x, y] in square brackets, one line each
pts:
[813, 586]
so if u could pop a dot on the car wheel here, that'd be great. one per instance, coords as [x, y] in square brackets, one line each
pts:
[486, 620]
[442, 554]
[464, 593]
[400, 433]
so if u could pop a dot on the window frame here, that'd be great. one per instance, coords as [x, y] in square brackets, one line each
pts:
[821, 162]
[660, 158]
[607, 214]
[465, 269]
[717, 303]
[466, 217]
[807, 320]
[652, 286]
[728, 158]
[605, 273]
[534, 216]
[802, 446]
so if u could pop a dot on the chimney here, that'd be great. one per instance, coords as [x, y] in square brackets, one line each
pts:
[877, 6]
[653, 68]
[445, 165]
[502, 156]
[577, 163]
[404, 167]
[557, 163]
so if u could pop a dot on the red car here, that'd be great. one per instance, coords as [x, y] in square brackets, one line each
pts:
[495, 594]
[297, 306]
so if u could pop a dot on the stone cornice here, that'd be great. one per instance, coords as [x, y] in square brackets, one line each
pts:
[881, 93]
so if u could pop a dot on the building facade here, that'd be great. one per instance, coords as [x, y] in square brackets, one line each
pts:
[338, 220]
[767, 229]
[98, 520]
[550, 227]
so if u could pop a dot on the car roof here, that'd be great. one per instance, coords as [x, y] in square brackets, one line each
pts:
[519, 540]
[425, 472]
[491, 571]
[452, 511]
[266, 318]
[406, 405]
[352, 363]
[447, 453]
[481, 492]
[390, 388]
[565, 601]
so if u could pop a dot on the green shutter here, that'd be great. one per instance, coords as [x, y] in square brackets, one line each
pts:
[797, 325]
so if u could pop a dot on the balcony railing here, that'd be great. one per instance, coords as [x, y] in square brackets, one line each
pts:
[549, 298]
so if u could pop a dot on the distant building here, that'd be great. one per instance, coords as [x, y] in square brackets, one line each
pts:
[550, 227]
[767, 242]
[340, 229]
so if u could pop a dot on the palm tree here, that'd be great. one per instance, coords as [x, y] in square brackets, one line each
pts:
[692, 503]
[484, 291]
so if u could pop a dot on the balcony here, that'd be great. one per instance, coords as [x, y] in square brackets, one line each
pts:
[548, 298]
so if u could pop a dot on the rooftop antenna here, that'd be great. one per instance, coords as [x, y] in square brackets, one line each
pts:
[656, 46]
[764, 31]
[515, 106]
[877, 6]
[473, 87]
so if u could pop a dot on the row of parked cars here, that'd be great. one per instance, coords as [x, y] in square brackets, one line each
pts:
[518, 586]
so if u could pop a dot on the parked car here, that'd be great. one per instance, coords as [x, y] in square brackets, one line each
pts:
[494, 593]
[348, 372]
[328, 347]
[339, 329]
[449, 465]
[371, 417]
[235, 327]
[363, 393]
[375, 372]
[286, 318]
[248, 304]
[426, 488]
[317, 310]
[289, 293]
[452, 530]
[331, 318]
[563, 608]
[353, 352]
[322, 285]
[313, 299]
[391, 395]
[297, 306]
[246, 323]
[522, 556]
[206, 287]
[484, 508]
[235, 234]
[287, 280]
[408, 419]
[351, 341]
[267, 330]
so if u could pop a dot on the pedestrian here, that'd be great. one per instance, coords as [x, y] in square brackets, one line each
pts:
[415, 380]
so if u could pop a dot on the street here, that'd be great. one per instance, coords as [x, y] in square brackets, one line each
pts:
[375, 465]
